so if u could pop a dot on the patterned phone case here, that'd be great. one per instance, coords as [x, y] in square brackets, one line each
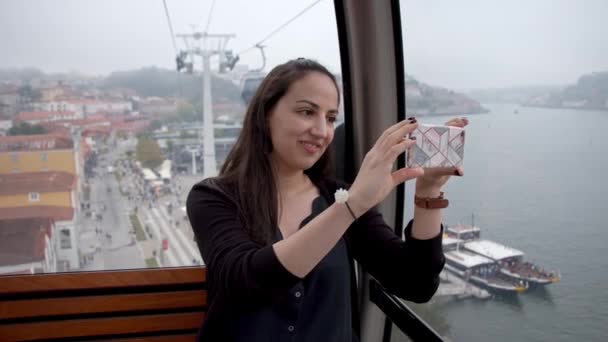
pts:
[436, 146]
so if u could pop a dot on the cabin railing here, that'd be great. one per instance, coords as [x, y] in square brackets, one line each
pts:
[401, 315]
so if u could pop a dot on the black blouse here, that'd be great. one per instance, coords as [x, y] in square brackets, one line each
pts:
[252, 297]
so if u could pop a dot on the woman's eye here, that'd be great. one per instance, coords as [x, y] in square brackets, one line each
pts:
[331, 119]
[307, 112]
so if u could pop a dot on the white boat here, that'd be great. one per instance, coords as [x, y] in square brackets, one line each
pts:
[464, 232]
[511, 262]
[482, 272]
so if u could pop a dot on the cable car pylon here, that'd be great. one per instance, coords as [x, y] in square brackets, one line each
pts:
[204, 50]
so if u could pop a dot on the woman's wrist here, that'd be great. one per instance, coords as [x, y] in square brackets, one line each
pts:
[429, 192]
[355, 204]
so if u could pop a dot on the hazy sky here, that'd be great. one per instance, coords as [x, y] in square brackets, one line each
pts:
[457, 44]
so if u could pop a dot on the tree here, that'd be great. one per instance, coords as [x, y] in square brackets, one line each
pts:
[25, 128]
[170, 146]
[186, 112]
[156, 124]
[148, 152]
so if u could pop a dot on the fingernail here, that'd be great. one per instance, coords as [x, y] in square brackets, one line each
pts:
[413, 121]
[413, 138]
[457, 173]
[411, 118]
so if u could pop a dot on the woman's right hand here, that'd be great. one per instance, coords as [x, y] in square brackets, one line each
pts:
[376, 179]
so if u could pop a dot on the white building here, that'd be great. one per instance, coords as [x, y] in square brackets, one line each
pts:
[47, 195]
[5, 125]
[86, 107]
[34, 118]
[165, 171]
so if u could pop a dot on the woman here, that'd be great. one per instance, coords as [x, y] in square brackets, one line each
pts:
[278, 247]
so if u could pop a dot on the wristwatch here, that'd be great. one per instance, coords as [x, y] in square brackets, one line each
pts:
[431, 203]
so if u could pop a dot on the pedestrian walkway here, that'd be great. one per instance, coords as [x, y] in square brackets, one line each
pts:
[172, 257]
[181, 251]
[188, 243]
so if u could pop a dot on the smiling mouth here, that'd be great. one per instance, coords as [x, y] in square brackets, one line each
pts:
[310, 147]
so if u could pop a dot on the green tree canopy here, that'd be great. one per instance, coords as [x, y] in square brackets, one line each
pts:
[186, 112]
[25, 128]
[148, 152]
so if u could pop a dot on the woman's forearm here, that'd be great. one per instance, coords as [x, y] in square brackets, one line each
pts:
[427, 222]
[303, 250]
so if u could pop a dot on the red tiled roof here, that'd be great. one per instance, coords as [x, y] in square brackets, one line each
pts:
[132, 126]
[55, 128]
[96, 130]
[35, 142]
[54, 212]
[96, 117]
[84, 122]
[22, 183]
[11, 90]
[23, 240]
[94, 101]
[118, 118]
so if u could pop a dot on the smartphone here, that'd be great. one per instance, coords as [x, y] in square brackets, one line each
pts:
[436, 146]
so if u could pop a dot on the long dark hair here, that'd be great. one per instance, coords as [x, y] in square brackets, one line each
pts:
[248, 167]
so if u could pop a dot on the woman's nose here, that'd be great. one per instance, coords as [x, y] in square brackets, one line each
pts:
[320, 128]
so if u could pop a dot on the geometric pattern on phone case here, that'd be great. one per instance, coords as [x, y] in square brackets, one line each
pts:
[437, 146]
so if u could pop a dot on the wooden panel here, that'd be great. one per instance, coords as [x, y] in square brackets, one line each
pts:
[168, 338]
[102, 279]
[103, 326]
[105, 303]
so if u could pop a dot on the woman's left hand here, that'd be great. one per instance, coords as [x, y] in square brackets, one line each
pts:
[435, 178]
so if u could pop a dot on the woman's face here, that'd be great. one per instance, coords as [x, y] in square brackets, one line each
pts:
[302, 122]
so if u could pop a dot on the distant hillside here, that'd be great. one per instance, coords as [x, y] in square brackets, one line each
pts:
[29, 75]
[154, 81]
[590, 92]
[422, 99]
[149, 81]
[24, 74]
[517, 95]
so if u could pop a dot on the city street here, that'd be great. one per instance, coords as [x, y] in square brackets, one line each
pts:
[109, 223]
[108, 231]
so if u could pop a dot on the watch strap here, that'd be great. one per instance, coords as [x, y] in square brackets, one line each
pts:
[431, 203]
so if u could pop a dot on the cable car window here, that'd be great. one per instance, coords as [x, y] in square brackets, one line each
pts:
[521, 246]
[146, 113]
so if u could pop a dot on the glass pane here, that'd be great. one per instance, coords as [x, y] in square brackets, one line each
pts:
[96, 122]
[532, 79]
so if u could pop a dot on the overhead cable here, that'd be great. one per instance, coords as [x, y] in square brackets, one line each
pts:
[179, 77]
[277, 30]
[209, 18]
[170, 26]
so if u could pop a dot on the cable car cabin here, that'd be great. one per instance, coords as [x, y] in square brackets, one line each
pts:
[169, 304]
[250, 86]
